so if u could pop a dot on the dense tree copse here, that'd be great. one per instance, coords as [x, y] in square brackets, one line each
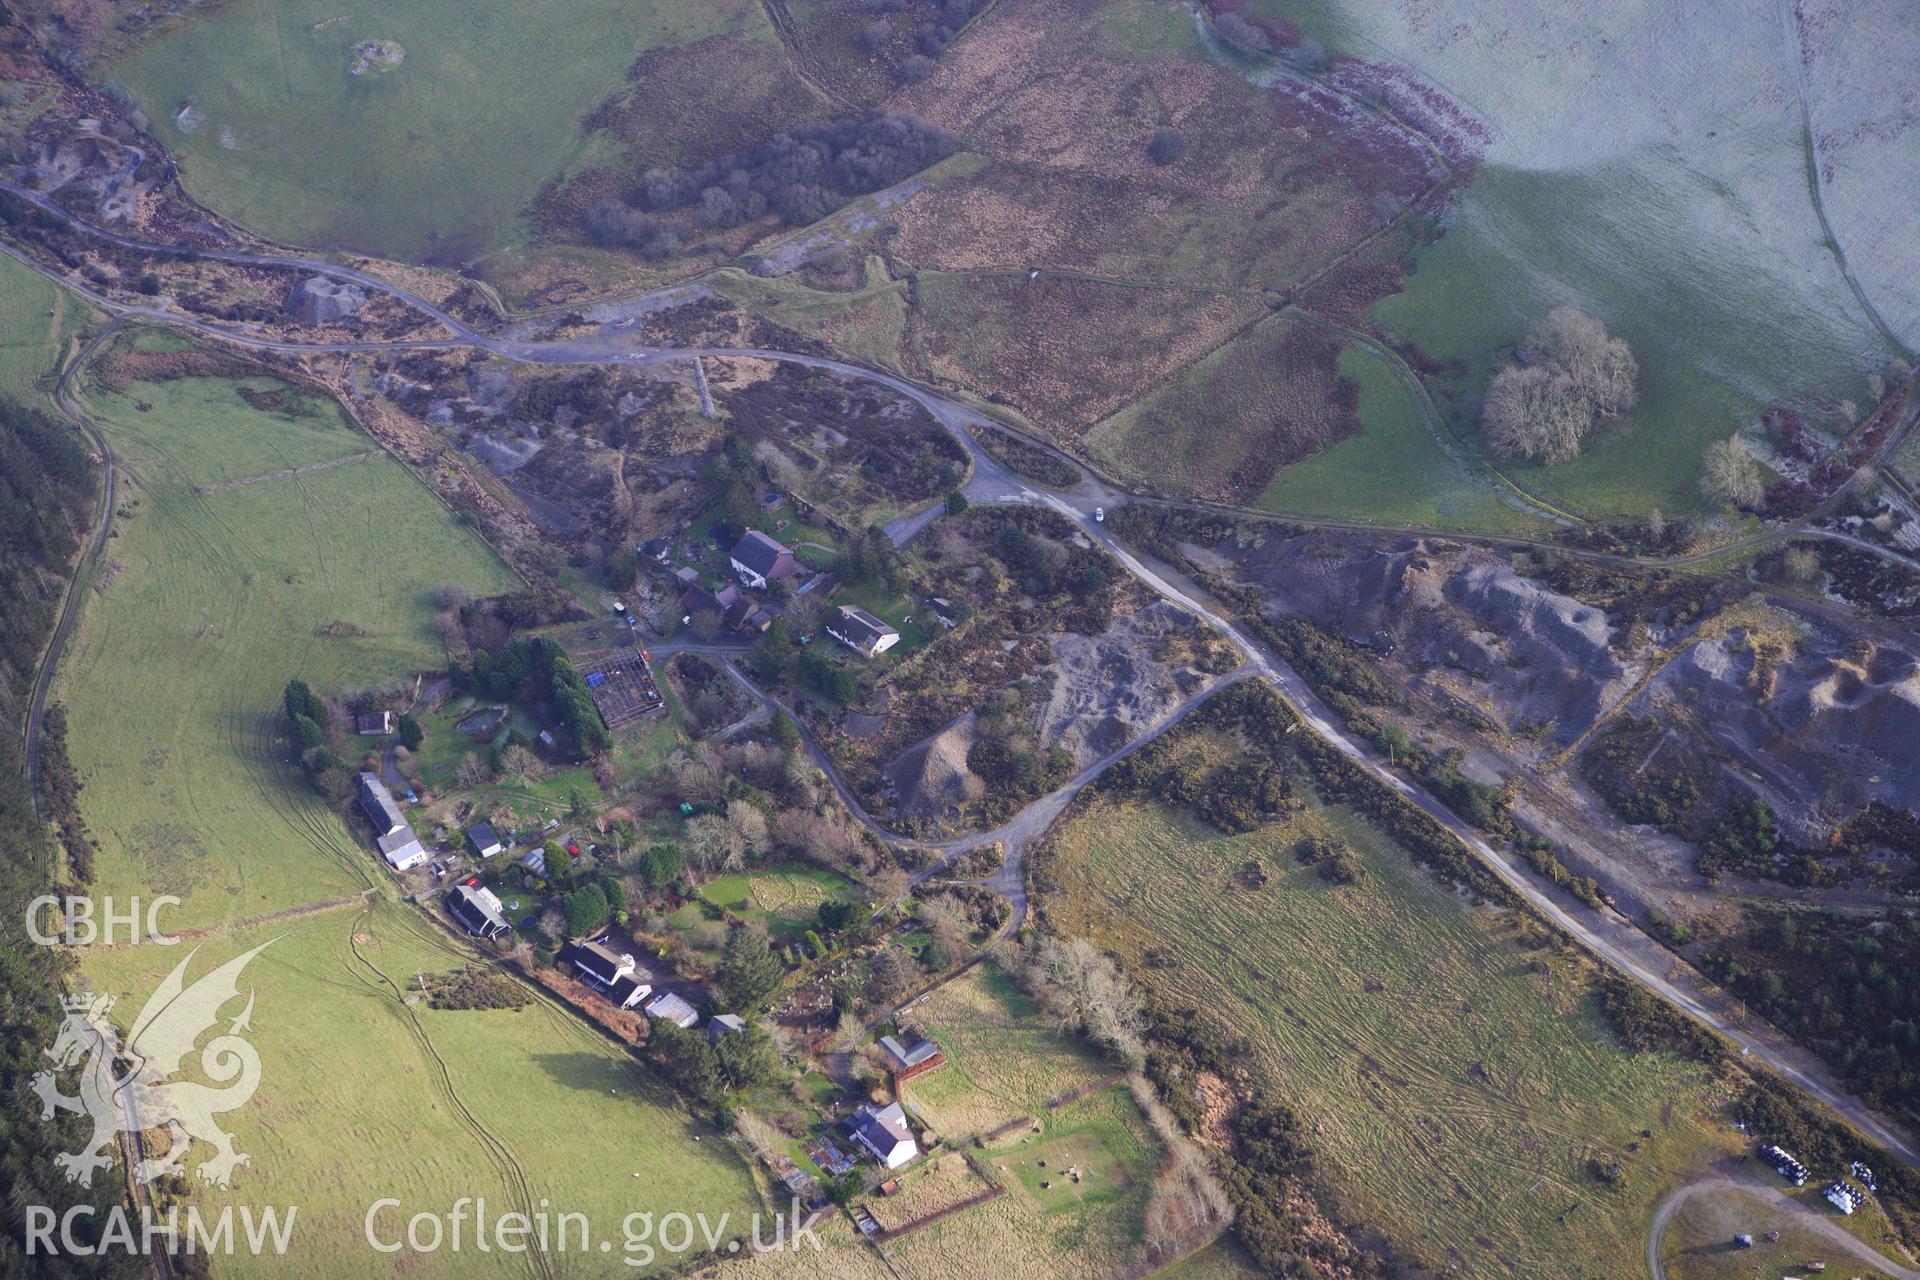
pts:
[661, 865]
[747, 1057]
[1846, 986]
[586, 910]
[1574, 376]
[749, 972]
[798, 176]
[541, 660]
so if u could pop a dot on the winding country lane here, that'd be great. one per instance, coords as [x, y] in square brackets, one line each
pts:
[83, 572]
[1608, 936]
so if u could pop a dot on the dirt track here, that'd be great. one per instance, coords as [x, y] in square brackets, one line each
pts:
[1820, 1224]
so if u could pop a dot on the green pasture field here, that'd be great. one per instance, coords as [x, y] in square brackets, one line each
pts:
[1224, 1259]
[36, 320]
[1005, 1058]
[1450, 1072]
[1396, 471]
[209, 603]
[437, 157]
[1476, 290]
[160, 340]
[1662, 190]
[366, 1092]
[1103, 1174]
[1006, 1062]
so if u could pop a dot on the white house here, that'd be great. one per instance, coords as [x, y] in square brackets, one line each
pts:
[758, 560]
[391, 834]
[629, 991]
[601, 965]
[883, 1132]
[861, 631]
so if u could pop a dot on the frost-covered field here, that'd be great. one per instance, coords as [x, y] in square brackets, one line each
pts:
[1648, 162]
[1685, 121]
[1863, 95]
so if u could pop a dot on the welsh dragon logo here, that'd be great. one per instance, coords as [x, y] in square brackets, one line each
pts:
[144, 1095]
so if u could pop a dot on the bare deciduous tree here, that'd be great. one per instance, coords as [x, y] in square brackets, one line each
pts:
[948, 926]
[821, 838]
[1188, 1207]
[887, 881]
[518, 762]
[1533, 412]
[713, 844]
[697, 778]
[755, 1134]
[1729, 473]
[471, 771]
[1575, 376]
[1082, 988]
[749, 824]
[1801, 564]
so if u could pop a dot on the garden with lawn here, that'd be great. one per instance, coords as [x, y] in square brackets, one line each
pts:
[785, 900]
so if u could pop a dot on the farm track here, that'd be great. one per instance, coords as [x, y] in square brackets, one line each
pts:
[274, 917]
[1821, 1225]
[251, 738]
[296, 811]
[498, 1153]
[1797, 52]
[1615, 942]
[292, 473]
[781, 20]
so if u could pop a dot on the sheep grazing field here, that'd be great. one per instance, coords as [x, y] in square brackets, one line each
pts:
[434, 154]
[218, 596]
